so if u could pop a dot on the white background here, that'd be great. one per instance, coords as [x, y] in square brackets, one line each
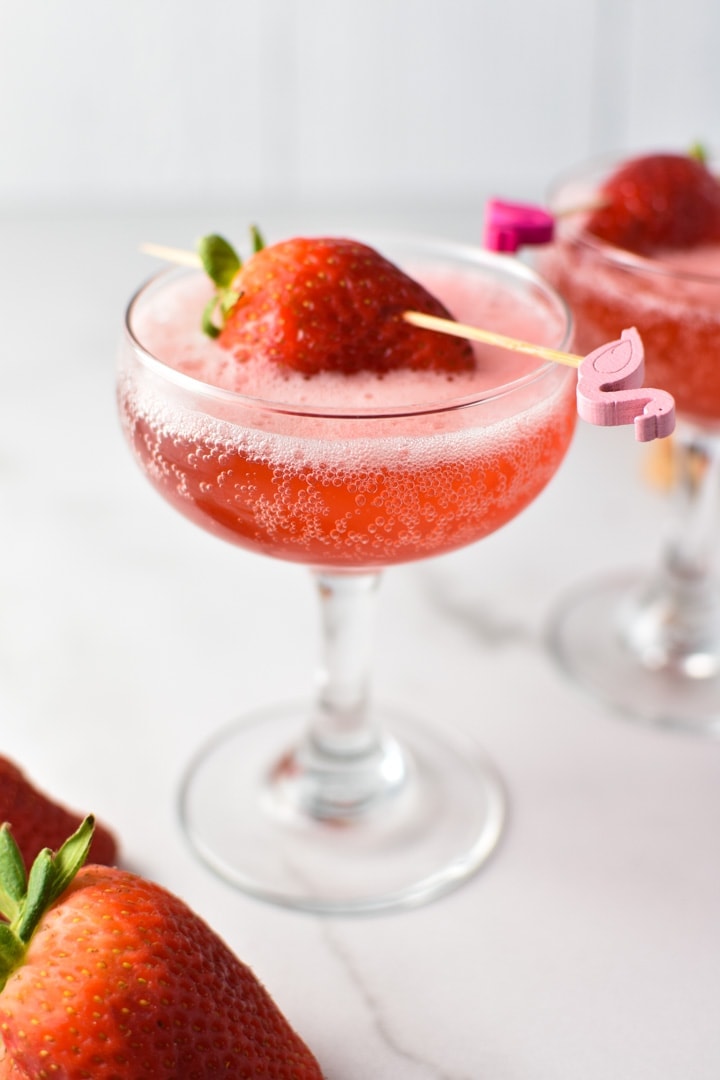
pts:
[110, 103]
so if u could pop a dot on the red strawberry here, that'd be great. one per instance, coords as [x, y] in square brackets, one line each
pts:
[111, 977]
[38, 822]
[328, 305]
[656, 202]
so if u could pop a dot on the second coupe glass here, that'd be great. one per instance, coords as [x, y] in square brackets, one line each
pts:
[648, 642]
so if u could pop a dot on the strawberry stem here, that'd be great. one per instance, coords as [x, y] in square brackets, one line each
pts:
[221, 263]
[220, 260]
[257, 241]
[25, 899]
[698, 152]
[13, 879]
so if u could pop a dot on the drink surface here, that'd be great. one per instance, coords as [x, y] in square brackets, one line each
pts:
[672, 298]
[322, 481]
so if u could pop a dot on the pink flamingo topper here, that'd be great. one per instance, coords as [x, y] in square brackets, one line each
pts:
[610, 390]
[509, 225]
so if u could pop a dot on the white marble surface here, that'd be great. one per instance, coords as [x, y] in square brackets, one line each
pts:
[587, 949]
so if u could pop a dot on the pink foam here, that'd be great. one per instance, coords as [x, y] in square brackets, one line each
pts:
[169, 327]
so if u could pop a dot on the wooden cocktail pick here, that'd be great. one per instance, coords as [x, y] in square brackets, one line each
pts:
[172, 255]
[489, 337]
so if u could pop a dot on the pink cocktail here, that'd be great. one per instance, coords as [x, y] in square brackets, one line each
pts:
[348, 474]
[649, 641]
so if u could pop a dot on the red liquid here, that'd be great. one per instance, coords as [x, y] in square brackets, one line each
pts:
[352, 515]
[349, 493]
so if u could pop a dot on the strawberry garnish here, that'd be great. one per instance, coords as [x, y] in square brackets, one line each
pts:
[658, 202]
[324, 304]
[38, 821]
[105, 975]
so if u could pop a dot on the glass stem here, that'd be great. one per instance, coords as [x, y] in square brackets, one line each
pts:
[676, 623]
[690, 552]
[341, 723]
[346, 766]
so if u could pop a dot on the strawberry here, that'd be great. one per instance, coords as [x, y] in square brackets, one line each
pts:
[656, 202]
[315, 305]
[37, 821]
[107, 976]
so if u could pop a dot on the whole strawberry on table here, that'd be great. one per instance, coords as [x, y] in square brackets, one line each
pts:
[39, 821]
[107, 976]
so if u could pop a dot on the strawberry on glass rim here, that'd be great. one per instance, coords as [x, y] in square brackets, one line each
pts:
[323, 304]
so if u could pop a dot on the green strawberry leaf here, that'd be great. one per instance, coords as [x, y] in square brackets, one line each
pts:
[698, 151]
[24, 902]
[71, 856]
[37, 899]
[228, 298]
[209, 326]
[257, 241]
[13, 880]
[220, 260]
[222, 263]
[12, 951]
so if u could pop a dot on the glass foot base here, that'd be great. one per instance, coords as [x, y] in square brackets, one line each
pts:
[425, 838]
[590, 635]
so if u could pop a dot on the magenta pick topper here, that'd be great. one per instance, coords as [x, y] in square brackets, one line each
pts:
[511, 225]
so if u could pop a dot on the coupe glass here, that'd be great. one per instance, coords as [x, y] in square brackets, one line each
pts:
[335, 805]
[648, 641]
